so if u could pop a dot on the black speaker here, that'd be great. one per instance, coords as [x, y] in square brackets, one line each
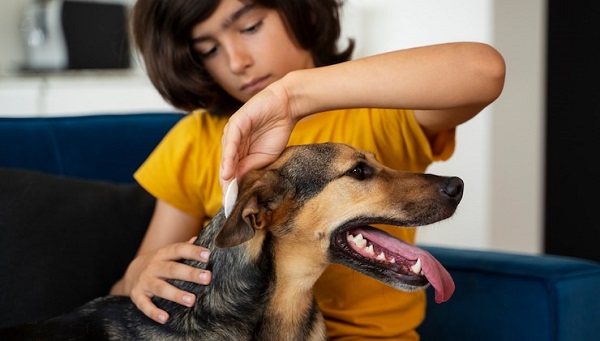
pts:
[96, 35]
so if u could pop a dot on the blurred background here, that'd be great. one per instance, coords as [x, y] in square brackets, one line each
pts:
[522, 159]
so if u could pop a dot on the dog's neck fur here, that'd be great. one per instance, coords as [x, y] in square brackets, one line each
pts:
[250, 293]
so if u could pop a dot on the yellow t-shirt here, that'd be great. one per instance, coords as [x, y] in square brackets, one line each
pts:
[183, 171]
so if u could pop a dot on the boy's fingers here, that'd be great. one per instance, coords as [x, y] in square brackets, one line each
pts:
[185, 250]
[181, 272]
[171, 293]
[230, 142]
[145, 305]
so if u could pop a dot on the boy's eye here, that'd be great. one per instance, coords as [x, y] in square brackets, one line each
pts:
[206, 51]
[210, 52]
[253, 28]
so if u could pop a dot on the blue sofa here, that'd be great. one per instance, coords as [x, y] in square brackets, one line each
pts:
[71, 218]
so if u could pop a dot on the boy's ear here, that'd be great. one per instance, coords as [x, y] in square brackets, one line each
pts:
[259, 195]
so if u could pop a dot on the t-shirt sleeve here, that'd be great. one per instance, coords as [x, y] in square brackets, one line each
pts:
[442, 146]
[171, 172]
[402, 144]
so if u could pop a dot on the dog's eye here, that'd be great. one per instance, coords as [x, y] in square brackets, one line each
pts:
[360, 171]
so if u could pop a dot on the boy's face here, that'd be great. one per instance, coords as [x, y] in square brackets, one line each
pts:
[245, 47]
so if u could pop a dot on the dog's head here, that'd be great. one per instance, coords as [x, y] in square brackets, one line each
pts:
[327, 196]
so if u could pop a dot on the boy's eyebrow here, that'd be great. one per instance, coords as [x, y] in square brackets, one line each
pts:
[237, 14]
[229, 21]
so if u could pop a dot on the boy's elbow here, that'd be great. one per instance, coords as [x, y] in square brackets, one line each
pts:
[493, 68]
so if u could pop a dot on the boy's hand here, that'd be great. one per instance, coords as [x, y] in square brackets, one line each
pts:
[255, 135]
[147, 274]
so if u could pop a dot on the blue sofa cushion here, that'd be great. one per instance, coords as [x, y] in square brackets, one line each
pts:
[64, 241]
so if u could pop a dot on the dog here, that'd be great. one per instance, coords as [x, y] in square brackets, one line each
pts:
[313, 206]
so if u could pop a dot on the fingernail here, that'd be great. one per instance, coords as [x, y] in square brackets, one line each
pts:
[204, 277]
[162, 318]
[188, 299]
[204, 255]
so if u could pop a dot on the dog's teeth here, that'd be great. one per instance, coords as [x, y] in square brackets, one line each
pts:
[351, 238]
[381, 256]
[417, 267]
[393, 260]
[360, 241]
[370, 250]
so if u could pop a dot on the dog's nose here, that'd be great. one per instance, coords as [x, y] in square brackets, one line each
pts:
[453, 187]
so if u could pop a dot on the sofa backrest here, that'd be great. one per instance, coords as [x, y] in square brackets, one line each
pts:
[100, 147]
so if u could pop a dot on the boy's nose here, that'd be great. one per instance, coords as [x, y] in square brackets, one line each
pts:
[239, 59]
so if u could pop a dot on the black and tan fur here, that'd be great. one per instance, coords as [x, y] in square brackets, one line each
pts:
[289, 222]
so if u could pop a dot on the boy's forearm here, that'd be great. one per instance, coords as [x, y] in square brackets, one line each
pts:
[434, 77]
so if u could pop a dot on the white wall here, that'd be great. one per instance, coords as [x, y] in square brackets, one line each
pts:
[499, 153]
[518, 146]
[11, 50]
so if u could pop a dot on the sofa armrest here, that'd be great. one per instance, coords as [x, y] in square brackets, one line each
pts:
[508, 296]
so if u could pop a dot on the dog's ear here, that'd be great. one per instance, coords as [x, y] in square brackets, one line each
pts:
[259, 194]
[237, 229]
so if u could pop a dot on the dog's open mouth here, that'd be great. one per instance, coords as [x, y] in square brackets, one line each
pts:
[387, 258]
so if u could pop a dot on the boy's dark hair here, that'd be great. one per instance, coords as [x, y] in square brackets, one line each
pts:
[161, 31]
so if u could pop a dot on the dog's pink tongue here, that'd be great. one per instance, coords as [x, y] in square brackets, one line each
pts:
[437, 275]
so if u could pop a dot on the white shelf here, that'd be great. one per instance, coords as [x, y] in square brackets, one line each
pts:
[79, 93]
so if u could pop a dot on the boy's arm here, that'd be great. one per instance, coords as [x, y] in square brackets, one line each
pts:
[445, 84]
